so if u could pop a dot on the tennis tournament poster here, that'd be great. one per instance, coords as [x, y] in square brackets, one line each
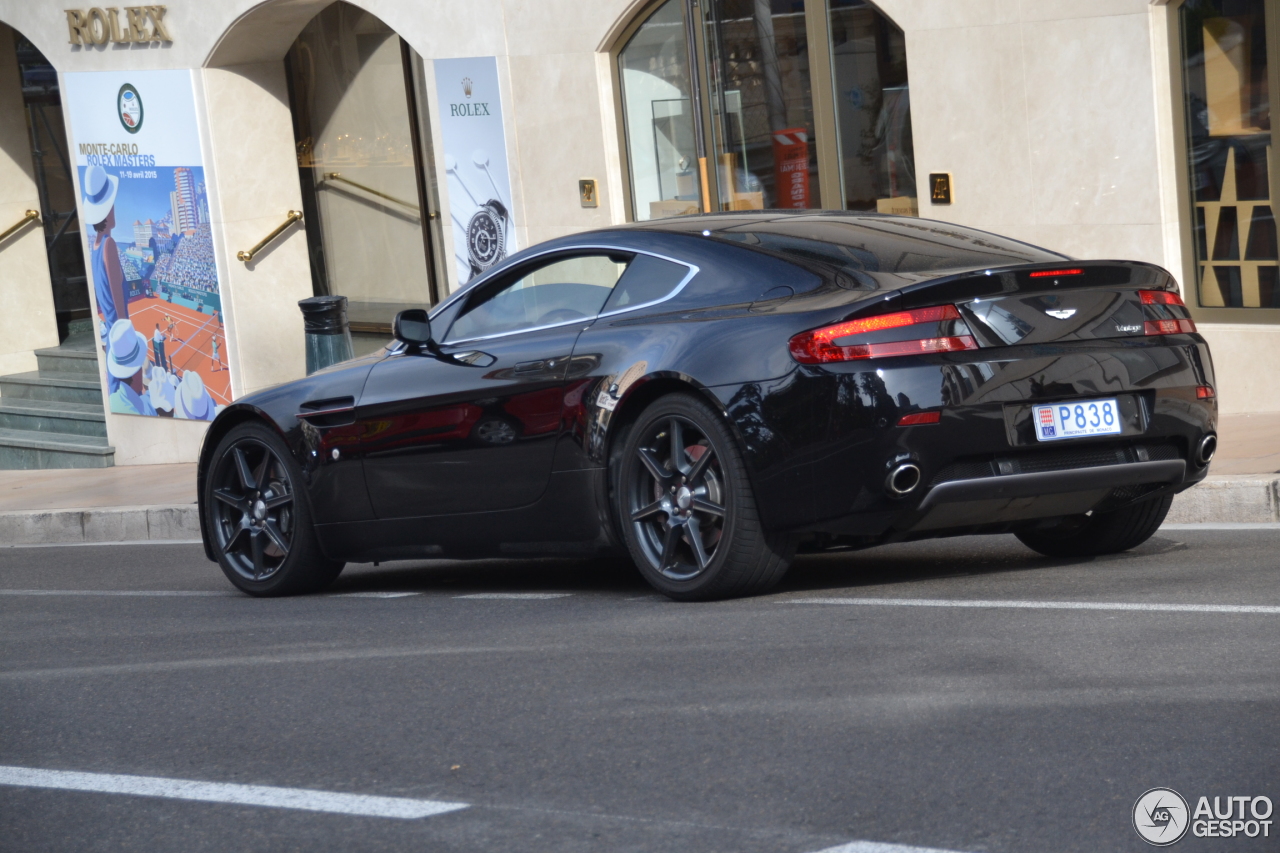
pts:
[144, 213]
[475, 157]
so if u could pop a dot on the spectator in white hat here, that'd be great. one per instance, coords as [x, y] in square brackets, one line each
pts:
[193, 402]
[126, 357]
[98, 208]
[161, 392]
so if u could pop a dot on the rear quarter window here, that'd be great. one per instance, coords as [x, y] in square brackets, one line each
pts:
[647, 279]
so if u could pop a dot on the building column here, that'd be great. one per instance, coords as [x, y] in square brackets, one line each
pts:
[253, 168]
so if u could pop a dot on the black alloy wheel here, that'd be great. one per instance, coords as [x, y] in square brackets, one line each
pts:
[686, 506]
[679, 510]
[259, 524]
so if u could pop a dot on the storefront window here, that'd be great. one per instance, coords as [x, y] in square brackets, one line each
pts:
[873, 109]
[658, 115]
[761, 104]
[718, 99]
[1229, 146]
[361, 170]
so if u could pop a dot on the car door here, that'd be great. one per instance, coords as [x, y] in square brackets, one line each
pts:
[473, 425]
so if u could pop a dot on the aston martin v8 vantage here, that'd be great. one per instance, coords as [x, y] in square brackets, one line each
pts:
[708, 394]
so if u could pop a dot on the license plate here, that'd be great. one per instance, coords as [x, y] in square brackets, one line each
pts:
[1077, 419]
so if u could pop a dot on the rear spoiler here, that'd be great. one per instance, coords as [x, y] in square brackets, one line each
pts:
[1031, 278]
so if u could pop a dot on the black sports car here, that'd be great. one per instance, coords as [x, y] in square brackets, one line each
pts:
[710, 393]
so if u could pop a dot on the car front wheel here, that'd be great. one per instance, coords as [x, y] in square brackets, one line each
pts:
[686, 506]
[257, 520]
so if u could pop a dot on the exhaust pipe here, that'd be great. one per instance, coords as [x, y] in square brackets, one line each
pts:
[902, 480]
[1207, 447]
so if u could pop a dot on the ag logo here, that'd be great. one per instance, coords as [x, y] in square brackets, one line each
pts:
[1160, 816]
[129, 107]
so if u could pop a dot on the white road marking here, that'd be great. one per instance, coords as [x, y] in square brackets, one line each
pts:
[878, 847]
[1225, 525]
[373, 594]
[222, 792]
[97, 544]
[144, 593]
[1042, 605]
[516, 596]
[266, 660]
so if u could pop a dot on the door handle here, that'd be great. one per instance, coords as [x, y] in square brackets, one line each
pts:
[530, 366]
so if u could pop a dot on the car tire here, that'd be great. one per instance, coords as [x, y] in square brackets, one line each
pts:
[686, 508]
[1100, 532]
[257, 518]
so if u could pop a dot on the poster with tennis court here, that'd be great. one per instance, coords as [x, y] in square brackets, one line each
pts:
[144, 210]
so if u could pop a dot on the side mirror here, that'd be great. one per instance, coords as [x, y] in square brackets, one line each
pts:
[413, 327]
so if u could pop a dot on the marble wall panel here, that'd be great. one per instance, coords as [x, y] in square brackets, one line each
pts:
[251, 155]
[970, 119]
[1238, 349]
[557, 115]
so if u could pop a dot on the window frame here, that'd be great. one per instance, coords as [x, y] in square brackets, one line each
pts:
[1190, 278]
[525, 265]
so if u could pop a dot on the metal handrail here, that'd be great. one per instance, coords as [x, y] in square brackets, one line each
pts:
[294, 216]
[337, 176]
[29, 216]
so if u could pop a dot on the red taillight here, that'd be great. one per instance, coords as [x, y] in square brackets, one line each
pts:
[887, 321]
[1160, 297]
[1205, 392]
[1048, 273]
[818, 347]
[1168, 327]
[920, 418]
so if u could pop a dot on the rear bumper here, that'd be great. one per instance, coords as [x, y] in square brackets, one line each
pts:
[1016, 497]
[821, 442]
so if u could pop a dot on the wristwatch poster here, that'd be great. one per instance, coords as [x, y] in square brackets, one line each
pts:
[487, 236]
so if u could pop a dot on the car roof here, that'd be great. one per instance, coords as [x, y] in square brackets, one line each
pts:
[860, 244]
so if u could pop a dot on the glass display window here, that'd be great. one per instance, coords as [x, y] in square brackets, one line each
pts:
[761, 104]
[1230, 156]
[658, 116]
[873, 109]
[363, 169]
[766, 105]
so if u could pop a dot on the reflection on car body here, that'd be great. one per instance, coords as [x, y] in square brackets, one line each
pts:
[709, 394]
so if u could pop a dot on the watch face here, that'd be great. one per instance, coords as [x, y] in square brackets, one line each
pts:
[485, 238]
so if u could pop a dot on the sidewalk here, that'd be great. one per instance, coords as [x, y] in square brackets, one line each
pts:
[158, 502]
[79, 505]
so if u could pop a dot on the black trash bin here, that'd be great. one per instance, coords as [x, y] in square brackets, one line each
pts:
[328, 332]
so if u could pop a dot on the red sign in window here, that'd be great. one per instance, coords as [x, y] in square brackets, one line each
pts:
[791, 167]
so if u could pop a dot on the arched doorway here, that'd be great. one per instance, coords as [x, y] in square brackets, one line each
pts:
[51, 162]
[766, 104]
[51, 411]
[365, 168]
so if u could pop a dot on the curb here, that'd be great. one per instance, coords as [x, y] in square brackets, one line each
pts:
[1228, 499]
[99, 524]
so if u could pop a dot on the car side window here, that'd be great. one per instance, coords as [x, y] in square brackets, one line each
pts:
[646, 280]
[557, 291]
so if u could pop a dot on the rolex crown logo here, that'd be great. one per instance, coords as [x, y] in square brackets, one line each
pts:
[466, 86]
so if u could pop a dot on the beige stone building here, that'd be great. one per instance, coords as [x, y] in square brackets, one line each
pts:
[1100, 128]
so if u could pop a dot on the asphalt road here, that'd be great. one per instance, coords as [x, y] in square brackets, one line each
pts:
[601, 717]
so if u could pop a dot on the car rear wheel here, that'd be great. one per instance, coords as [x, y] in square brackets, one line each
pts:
[1100, 532]
[687, 510]
[258, 522]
